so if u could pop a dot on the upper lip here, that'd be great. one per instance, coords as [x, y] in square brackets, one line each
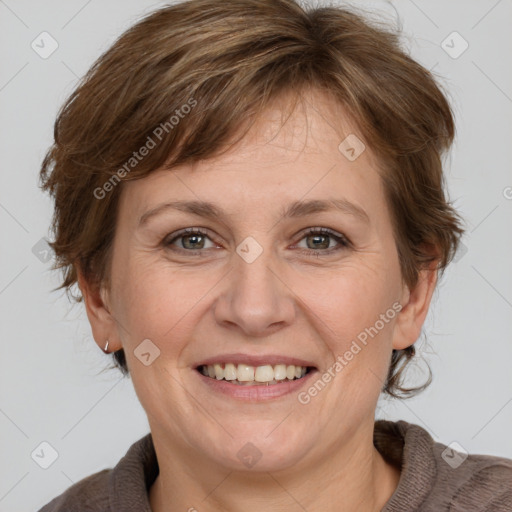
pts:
[254, 360]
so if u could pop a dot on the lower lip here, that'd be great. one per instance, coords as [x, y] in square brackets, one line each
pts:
[258, 392]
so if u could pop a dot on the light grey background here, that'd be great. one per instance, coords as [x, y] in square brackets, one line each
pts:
[51, 389]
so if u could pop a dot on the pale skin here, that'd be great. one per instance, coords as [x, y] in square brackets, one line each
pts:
[315, 457]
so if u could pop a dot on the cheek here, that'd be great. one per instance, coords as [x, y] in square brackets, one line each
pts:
[161, 304]
[354, 316]
[351, 300]
[148, 300]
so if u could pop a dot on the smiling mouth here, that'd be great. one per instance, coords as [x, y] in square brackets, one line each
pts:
[246, 375]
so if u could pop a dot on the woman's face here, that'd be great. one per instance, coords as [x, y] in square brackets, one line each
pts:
[256, 284]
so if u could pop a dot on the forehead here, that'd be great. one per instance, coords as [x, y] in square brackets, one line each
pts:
[287, 155]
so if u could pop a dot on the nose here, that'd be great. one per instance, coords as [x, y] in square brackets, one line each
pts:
[256, 299]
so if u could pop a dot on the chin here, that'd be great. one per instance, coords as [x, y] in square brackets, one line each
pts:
[257, 451]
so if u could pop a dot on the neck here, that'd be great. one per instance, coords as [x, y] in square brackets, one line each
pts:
[354, 478]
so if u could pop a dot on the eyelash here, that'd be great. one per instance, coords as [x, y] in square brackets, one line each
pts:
[344, 243]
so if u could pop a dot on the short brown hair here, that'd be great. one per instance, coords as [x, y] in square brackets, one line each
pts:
[227, 60]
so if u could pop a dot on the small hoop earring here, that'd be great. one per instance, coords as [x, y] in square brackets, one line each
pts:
[106, 348]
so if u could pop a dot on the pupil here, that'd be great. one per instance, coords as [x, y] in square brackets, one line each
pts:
[186, 238]
[324, 245]
[190, 240]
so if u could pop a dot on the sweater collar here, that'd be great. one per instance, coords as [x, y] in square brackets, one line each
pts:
[409, 447]
[132, 477]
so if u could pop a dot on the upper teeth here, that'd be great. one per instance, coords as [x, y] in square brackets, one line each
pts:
[246, 373]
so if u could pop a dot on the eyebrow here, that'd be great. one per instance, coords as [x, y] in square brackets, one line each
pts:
[294, 210]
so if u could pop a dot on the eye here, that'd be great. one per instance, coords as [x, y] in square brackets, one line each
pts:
[321, 238]
[192, 239]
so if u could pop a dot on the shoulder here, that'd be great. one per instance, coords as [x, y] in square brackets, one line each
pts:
[122, 488]
[438, 477]
[473, 481]
[88, 495]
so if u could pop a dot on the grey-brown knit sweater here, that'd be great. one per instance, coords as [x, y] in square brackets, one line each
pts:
[428, 483]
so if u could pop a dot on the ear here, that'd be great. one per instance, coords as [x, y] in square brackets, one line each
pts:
[103, 324]
[415, 305]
